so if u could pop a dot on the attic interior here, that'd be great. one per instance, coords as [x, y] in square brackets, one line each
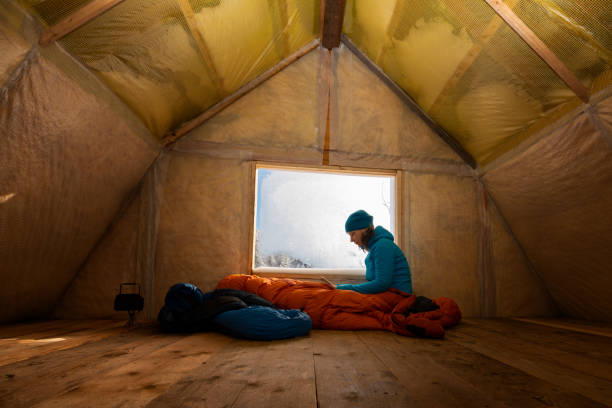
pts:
[130, 134]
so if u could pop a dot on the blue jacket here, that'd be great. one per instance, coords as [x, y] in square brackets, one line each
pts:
[386, 266]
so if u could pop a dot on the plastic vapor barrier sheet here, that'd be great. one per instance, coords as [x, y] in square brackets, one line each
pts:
[281, 113]
[557, 196]
[362, 128]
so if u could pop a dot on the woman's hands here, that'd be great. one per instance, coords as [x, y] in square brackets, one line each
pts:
[331, 285]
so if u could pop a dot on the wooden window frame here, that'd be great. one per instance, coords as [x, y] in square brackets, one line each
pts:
[315, 273]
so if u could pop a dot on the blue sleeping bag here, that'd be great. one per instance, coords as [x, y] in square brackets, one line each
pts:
[183, 297]
[235, 312]
[264, 323]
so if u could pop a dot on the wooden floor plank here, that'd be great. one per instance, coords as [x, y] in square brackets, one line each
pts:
[499, 381]
[285, 378]
[17, 349]
[249, 374]
[349, 375]
[8, 331]
[60, 329]
[55, 328]
[482, 362]
[138, 382]
[574, 348]
[429, 383]
[218, 383]
[582, 326]
[540, 362]
[57, 373]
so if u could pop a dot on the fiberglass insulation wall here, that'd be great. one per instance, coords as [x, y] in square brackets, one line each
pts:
[68, 158]
[557, 196]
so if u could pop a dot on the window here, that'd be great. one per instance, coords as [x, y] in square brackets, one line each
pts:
[300, 215]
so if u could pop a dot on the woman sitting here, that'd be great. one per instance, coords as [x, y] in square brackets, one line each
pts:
[386, 265]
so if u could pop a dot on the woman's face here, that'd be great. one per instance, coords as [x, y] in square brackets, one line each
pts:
[357, 237]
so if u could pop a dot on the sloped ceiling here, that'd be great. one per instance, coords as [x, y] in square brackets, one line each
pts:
[473, 74]
[171, 60]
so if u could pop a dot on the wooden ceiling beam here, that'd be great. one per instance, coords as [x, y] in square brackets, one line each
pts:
[449, 139]
[333, 17]
[80, 17]
[186, 127]
[499, 55]
[538, 46]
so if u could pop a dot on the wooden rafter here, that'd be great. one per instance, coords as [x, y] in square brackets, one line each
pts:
[450, 140]
[332, 23]
[468, 59]
[76, 20]
[192, 23]
[540, 48]
[465, 17]
[186, 127]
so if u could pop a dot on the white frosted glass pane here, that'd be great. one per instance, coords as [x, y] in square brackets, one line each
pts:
[300, 216]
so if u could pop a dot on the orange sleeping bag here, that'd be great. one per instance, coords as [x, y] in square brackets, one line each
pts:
[348, 310]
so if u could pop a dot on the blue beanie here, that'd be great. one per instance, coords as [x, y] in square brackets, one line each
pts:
[358, 220]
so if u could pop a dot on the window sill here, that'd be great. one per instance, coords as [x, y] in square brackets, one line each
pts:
[311, 273]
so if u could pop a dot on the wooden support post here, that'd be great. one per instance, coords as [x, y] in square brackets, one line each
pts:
[147, 237]
[76, 20]
[332, 23]
[450, 140]
[540, 48]
[488, 299]
[202, 47]
[186, 127]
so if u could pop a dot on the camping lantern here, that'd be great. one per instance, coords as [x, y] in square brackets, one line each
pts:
[130, 302]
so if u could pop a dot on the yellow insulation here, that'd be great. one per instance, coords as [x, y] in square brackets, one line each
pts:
[419, 53]
[170, 60]
[474, 75]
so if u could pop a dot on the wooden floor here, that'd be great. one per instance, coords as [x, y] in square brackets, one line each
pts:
[481, 363]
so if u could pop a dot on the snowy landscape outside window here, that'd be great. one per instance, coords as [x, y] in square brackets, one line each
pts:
[300, 216]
